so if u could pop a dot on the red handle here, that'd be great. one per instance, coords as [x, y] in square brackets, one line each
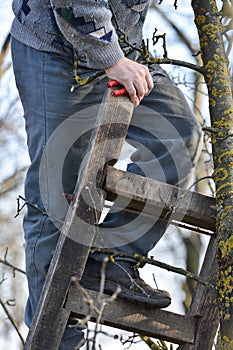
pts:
[119, 92]
[112, 83]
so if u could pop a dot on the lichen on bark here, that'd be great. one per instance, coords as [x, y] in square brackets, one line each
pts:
[217, 78]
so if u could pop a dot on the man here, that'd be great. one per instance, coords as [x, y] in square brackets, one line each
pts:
[53, 40]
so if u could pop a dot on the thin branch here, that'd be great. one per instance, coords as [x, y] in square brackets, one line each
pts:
[143, 259]
[152, 60]
[12, 321]
[4, 261]
[152, 345]
[155, 39]
[14, 268]
[97, 307]
[100, 301]
[35, 206]
[175, 4]
[179, 32]
[198, 180]
[3, 278]
[172, 61]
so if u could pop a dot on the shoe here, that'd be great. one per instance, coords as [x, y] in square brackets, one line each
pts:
[132, 287]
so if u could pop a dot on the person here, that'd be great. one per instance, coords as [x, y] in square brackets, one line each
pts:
[63, 54]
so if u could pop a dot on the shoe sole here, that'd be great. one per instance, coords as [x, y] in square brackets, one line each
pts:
[111, 287]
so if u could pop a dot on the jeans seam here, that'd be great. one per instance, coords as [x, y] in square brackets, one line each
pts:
[34, 255]
[43, 93]
[38, 236]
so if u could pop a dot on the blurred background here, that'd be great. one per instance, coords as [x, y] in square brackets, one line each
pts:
[179, 247]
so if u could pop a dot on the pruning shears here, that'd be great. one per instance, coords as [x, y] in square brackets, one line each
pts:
[116, 92]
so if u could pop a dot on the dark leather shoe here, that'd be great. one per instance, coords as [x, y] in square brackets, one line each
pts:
[132, 287]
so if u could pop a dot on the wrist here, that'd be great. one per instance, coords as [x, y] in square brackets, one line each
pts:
[116, 64]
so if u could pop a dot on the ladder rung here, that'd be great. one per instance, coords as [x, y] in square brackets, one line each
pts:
[158, 198]
[135, 318]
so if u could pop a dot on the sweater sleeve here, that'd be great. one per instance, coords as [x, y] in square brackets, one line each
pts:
[87, 25]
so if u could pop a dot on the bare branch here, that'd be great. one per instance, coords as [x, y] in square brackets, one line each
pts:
[175, 63]
[4, 261]
[152, 345]
[143, 259]
[9, 316]
[35, 206]
[155, 39]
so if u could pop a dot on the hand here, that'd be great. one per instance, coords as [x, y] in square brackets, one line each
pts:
[134, 76]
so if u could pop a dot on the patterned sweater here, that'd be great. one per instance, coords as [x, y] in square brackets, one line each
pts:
[91, 27]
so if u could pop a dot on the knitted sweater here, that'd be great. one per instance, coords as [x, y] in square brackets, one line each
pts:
[91, 27]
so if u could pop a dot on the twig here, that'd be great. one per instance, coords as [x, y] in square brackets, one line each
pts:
[35, 206]
[174, 4]
[155, 39]
[198, 180]
[88, 300]
[152, 60]
[217, 131]
[7, 263]
[155, 282]
[100, 302]
[131, 340]
[12, 321]
[148, 341]
[3, 278]
[172, 61]
[180, 32]
[143, 259]
[132, 281]
[152, 345]
[98, 307]
[93, 205]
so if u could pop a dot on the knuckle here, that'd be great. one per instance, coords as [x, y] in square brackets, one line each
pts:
[132, 92]
[142, 71]
[145, 69]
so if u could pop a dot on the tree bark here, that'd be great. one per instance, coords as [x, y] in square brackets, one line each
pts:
[217, 78]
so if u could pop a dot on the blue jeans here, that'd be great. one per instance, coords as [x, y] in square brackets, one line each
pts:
[164, 134]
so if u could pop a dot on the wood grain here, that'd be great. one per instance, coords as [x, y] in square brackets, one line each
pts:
[135, 317]
[157, 198]
[80, 225]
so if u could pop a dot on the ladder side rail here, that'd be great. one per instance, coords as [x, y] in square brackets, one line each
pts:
[80, 227]
[204, 303]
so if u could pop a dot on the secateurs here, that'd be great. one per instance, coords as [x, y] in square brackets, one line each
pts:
[116, 92]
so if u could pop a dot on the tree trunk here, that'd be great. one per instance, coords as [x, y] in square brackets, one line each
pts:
[217, 78]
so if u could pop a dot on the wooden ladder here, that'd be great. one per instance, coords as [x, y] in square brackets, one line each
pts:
[62, 294]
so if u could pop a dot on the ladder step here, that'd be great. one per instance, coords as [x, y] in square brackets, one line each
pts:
[135, 317]
[157, 198]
